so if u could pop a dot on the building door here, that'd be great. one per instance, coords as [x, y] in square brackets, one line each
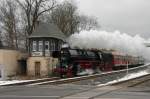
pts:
[23, 66]
[37, 68]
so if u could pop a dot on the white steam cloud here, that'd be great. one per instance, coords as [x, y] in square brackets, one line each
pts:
[121, 42]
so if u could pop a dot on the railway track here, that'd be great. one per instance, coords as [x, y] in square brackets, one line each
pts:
[133, 82]
[98, 92]
[94, 92]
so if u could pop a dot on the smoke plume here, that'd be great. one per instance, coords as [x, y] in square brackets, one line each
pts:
[122, 42]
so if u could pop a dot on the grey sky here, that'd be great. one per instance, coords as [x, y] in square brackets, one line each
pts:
[131, 16]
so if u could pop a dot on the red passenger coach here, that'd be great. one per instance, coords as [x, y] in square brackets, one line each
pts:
[76, 62]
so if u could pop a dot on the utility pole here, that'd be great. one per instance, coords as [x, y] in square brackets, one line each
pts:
[127, 67]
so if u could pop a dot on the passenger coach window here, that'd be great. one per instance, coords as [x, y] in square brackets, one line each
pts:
[73, 52]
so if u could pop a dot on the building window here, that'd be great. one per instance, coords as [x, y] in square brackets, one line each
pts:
[40, 45]
[34, 46]
[46, 45]
[52, 45]
[59, 45]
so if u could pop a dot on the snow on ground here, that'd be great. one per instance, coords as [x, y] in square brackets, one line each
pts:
[12, 81]
[127, 77]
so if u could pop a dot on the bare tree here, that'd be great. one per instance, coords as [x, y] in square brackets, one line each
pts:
[1, 43]
[69, 21]
[33, 10]
[88, 23]
[64, 16]
[9, 22]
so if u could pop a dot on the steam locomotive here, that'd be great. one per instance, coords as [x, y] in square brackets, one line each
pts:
[76, 62]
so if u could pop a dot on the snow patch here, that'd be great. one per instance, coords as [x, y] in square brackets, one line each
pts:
[12, 82]
[127, 77]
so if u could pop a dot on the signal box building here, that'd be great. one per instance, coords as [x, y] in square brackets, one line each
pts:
[45, 39]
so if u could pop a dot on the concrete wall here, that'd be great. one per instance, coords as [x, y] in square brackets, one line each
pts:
[9, 62]
[46, 65]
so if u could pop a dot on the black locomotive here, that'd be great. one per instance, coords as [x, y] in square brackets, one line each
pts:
[75, 62]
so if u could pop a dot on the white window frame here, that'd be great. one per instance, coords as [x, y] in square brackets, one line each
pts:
[40, 46]
[34, 46]
[47, 44]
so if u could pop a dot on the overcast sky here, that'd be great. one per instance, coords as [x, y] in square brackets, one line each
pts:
[131, 16]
